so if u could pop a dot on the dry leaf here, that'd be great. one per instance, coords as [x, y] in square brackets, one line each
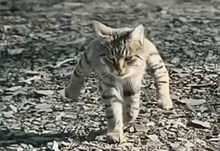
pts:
[192, 101]
[13, 88]
[44, 92]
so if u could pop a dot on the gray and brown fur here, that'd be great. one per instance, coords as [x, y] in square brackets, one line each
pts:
[120, 57]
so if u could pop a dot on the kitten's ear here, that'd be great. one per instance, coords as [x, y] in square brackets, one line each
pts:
[138, 34]
[102, 30]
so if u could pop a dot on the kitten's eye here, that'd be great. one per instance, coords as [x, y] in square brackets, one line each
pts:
[128, 58]
[110, 58]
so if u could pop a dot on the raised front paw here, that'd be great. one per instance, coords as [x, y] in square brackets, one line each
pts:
[165, 103]
[113, 138]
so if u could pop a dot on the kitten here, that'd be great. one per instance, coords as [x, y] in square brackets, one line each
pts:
[120, 56]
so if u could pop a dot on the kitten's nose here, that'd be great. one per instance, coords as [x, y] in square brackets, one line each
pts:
[119, 67]
[119, 70]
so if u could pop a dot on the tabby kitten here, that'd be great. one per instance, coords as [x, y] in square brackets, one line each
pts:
[120, 57]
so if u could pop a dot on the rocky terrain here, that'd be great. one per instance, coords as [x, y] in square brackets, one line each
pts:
[41, 42]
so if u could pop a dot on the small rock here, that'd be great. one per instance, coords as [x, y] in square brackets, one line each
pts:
[101, 138]
[175, 60]
[200, 124]
[8, 114]
[14, 108]
[15, 51]
[131, 129]
[153, 137]
[140, 128]
[183, 19]
[44, 92]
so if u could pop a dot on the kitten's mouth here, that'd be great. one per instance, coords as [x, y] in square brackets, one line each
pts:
[121, 75]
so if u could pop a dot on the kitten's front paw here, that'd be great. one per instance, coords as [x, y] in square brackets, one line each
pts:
[113, 138]
[165, 103]
[62, 95]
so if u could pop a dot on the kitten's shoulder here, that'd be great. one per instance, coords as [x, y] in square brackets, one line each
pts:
[149, 46]
[95, 48]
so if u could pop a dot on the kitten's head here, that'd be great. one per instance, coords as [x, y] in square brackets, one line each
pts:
[124, 49]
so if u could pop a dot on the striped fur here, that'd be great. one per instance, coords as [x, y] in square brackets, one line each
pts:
[120, 57]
